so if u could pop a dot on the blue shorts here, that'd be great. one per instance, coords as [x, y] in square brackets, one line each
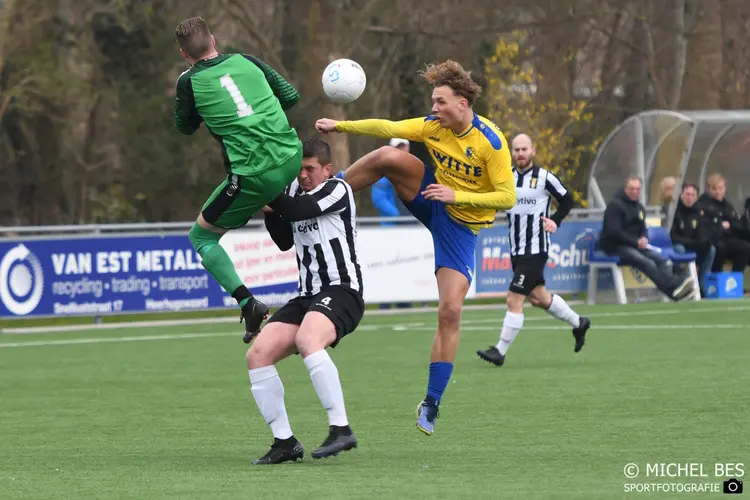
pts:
[454, 243]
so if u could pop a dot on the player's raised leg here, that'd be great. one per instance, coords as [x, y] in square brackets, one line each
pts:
[229, 207]
[274, 343]
[452, 286]
[558, 308]
[471, 182]
[404, 170]
[242, 101]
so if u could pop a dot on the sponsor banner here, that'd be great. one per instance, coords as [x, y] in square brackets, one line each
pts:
[118, 274]
[268, 272]
[110, 275]
[567, 266]
[103, 275]
[397, 264]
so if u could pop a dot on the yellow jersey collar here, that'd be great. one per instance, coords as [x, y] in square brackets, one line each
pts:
[475, 122]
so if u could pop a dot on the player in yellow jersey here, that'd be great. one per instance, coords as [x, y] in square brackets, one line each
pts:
[472, 181]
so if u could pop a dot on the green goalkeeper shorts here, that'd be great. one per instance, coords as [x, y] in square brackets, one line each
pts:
[238, 198]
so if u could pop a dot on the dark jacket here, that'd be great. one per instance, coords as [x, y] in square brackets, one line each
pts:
[690, 228]
[624, 223]
[717, 212]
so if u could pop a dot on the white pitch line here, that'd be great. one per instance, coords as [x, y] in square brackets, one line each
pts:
[698, 310]
[227, 319]
[498, 320]
[103, 340]
[615, 327]
[157, 323]
[403, 326]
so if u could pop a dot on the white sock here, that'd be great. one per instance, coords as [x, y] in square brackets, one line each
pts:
[512, 324]
[561, 310]
[268, 392]
[325, 380]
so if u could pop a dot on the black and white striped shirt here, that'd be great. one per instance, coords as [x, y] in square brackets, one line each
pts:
[321, 225]
[534, 191]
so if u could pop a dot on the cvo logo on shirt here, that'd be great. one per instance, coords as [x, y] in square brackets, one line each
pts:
[306, 227]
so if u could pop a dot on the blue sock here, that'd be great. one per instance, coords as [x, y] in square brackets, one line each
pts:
[440, 374]
[340, 175]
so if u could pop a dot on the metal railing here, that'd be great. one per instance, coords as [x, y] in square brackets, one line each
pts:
[13, 232]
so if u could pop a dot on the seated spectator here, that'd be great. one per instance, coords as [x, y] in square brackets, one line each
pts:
[667, 195]
[624, 235]
[690, 232]
[726, 230]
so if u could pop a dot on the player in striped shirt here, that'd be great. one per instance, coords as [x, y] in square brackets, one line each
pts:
[316, 216]
[530, 226]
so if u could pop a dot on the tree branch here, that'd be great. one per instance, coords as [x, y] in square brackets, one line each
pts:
[496, 30]
[353, 44]
[250, 22]
[614, 36]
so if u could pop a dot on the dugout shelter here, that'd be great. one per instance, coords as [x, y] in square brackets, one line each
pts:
[688, 145]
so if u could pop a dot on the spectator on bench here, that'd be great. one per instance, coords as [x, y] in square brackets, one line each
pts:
[690, 232]
[746, 217]
[624, 235]
[668, 185]
[726, 230]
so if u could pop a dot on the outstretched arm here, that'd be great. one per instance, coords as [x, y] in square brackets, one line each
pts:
[412, 129]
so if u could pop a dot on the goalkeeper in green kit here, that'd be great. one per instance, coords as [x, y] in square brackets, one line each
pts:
[242, 102]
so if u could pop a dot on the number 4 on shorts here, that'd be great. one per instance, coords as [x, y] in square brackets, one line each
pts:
[325, 301]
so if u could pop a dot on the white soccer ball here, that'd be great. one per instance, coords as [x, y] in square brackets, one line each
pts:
[344, 81]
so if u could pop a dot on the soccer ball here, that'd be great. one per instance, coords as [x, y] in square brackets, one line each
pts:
[344, 81]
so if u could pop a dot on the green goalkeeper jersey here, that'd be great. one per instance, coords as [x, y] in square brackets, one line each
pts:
[242, 101]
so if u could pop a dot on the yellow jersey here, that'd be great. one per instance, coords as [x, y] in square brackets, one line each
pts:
[476, 163]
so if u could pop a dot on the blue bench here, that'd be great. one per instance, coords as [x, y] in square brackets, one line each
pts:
[598, 261]
[660, 242]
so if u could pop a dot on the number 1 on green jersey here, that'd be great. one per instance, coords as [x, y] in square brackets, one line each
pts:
[243, 108]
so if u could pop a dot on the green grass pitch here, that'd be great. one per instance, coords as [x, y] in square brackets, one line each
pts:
[145, 414]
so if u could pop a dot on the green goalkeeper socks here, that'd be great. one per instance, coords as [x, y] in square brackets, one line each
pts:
[216, 261]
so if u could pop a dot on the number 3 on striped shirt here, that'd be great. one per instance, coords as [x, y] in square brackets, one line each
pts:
[243, 108]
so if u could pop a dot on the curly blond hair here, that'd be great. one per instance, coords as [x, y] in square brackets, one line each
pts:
[451, 74]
